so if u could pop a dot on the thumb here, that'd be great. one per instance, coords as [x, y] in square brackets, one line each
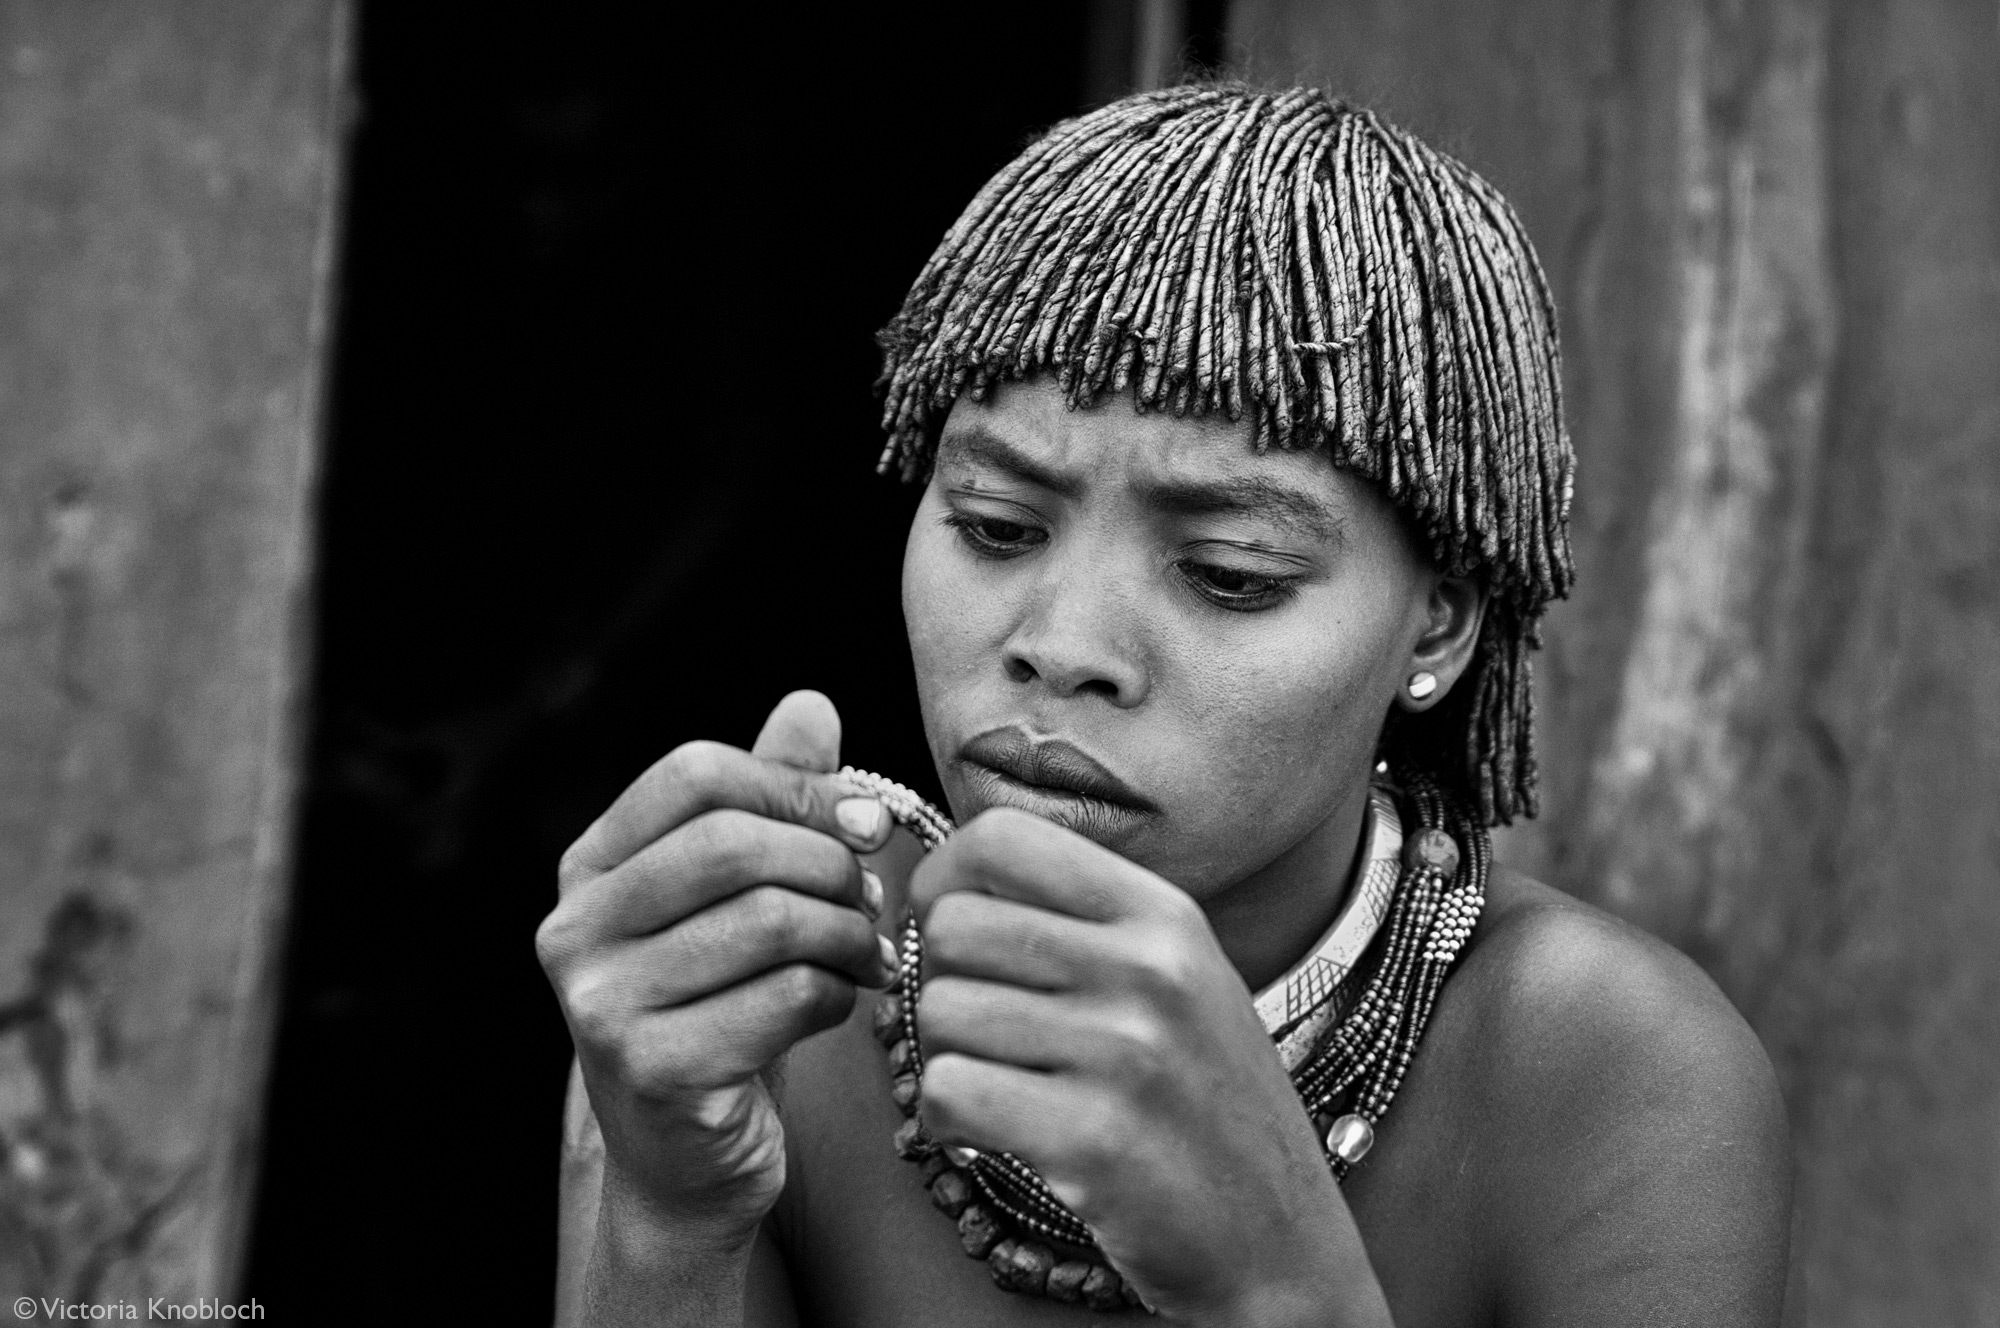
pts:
[803, 731]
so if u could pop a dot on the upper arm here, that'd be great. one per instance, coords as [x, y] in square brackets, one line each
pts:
[1642, 1165]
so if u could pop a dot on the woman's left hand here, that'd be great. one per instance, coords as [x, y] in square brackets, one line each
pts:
[1080, 1013]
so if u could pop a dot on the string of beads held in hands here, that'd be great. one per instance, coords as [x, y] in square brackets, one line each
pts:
[1008, 1216]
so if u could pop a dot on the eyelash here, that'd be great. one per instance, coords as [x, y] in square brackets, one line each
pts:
[1266, 591]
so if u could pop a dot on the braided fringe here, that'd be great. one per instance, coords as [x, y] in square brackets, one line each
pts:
[1210, 249]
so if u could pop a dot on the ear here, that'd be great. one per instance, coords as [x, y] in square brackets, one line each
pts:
[1447, 636]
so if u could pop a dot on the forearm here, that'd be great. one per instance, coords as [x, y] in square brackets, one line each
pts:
[651, 1269]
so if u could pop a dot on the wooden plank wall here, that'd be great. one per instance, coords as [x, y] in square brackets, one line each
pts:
[1772, 711]
[168, 194]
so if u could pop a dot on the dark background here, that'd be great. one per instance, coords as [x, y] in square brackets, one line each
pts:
[601, 481]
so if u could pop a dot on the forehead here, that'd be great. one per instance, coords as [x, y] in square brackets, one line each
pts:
[1195, 463]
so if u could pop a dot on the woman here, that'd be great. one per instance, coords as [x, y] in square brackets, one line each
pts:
[1245, 489]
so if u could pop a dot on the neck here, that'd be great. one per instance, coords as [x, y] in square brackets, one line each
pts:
[1269, 919]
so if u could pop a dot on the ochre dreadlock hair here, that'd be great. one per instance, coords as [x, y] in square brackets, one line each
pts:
[1213, 248]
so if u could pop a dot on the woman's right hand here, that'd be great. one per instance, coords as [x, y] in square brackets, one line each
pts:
[712, 917]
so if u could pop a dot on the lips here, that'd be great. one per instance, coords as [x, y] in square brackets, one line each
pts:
[1055, 779]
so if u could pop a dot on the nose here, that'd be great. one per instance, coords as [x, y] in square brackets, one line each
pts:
[1079, 637]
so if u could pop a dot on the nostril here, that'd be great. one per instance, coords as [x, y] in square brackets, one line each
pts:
[1019, 669]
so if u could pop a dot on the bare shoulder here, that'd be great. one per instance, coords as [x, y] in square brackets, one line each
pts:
[1638, 1157]
[1565, 989]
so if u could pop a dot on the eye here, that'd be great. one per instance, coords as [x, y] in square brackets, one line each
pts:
[994, 536]
[1237, 589]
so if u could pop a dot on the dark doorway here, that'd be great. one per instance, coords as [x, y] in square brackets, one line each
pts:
[601, 481]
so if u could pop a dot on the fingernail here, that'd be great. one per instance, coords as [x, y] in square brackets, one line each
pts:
[861, 819]
[890, 964]
[871, 893]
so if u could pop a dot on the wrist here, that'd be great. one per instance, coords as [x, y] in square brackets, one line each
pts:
[641, 1226]
[651, 1265]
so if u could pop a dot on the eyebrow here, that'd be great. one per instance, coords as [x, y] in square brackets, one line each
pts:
[1251, 495]
[980, 444]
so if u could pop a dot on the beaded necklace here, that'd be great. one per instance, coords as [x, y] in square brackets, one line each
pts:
[1344, 1031]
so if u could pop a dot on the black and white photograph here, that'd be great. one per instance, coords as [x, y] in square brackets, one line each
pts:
[1243, 663]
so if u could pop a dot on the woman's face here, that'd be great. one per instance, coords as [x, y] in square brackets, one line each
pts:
[1141, 628]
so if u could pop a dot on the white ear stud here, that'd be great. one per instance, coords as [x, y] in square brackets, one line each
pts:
[1422, 684]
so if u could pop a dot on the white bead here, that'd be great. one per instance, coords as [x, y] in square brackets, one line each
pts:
[1350, 1139]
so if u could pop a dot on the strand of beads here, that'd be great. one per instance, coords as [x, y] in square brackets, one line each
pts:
[1437, 906]
[1078, 1274]
[1438, 900]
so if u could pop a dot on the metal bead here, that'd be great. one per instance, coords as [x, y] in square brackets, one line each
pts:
[1432, 848]
[961, 1156]
[1350, 1139]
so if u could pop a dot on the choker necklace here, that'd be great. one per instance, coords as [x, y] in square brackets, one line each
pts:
[1344, 1030]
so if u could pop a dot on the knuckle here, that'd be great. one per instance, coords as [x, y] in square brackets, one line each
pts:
[723, 843]
[948, 931]
[1162, 970]
[802, 799]
[552, 943]
[1093, 1144]
[943, 1009]
[945, 1093]
[1182, 913]
[767, 922]
[1140, 1049]
[984, 838]
[820, 998]
[574, 867]
[804, 987]
[596, 1016]
[697, 764]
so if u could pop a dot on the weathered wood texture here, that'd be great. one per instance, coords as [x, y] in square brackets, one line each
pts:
[1772, 712]
[167, 204]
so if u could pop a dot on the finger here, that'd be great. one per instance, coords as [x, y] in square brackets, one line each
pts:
[996, 1022]
[1048, 1120]
[1016, 855]
[803, 731]
[697, 777]
[713, 856]
[984, 936]
[753, 932]
[726, 1037]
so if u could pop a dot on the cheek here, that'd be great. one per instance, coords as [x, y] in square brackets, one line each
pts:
[1289, 715]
